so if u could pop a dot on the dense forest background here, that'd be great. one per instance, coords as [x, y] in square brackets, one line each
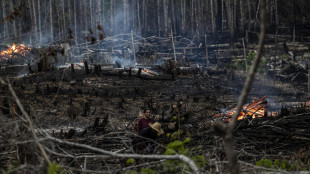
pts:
[40, 22]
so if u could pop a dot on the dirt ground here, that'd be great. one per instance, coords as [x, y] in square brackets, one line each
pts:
[66, 105]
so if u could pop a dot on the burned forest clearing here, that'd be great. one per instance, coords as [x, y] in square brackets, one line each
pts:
[119, 86]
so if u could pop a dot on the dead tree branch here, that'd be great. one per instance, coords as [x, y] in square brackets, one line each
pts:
[183, 158]
[35, 137]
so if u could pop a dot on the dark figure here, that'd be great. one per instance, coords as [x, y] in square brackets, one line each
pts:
[144, 145]
[145, 121]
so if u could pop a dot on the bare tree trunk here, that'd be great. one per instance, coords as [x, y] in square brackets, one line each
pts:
[14, 23]
[103, 11]
[158, 18]
[58, 20]
[112, 14]
[192, 16]
[244, 56]
[143, 17]
[5, 30]
[165, 16]
[219, 16]
[75, 28]
[31, 19]
[138, 16]
[125, 15]
[250, 15]
[39, 15]
[69, 14]
[85, 17]
[275, 56]
[35, 21]
[173, 16]
[212, 18]
[222, 15]
[242, 16]
[183, 13]
[196, 18]
[277, 18]
[230, 14]
[146, 27]
[51, 20]
[91, 11]
[234, 18]
[63, 18]
[207, 53]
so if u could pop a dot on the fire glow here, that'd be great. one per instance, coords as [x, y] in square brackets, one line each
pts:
[256, 109]
[14, 50]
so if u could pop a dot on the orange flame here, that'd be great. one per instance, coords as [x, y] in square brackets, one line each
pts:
[255, 109]
[14, 50]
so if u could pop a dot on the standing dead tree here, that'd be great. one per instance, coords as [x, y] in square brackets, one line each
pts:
[227, 131]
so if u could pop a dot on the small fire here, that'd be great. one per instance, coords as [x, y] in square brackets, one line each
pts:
[149, 72]
[254, 110]
[14, 50]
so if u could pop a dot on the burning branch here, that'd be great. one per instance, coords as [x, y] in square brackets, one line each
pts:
[14, 51]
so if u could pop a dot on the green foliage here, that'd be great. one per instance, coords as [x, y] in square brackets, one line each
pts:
[238, 64]
[265, 163]
[130, 161]
[53, 168]
[132, 172]
[282, 164]
[199, 161]
[177, 147]
[176, 134]
[187, 140]
[241, 64]
[147, 171]
[251, 57]
[283, 56]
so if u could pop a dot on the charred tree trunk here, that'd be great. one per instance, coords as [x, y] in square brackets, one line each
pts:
[35, 20]
[276, 12]
[112, 14]
[158, 18]
[125, 15]
[13, 22]
[103, 10]
[242, 16]
[250, 15]
[39, 16]
[192, 16]
[51, 20]
[5, 30]
[63, 18]
[183, 13]
[212, 18]
[31, 19]
[59, 21]
[165, 8]
[75, 26]
[173, 16]
[69, 15]
[219, 16]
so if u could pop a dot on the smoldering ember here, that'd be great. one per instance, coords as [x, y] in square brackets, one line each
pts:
[166, 86]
